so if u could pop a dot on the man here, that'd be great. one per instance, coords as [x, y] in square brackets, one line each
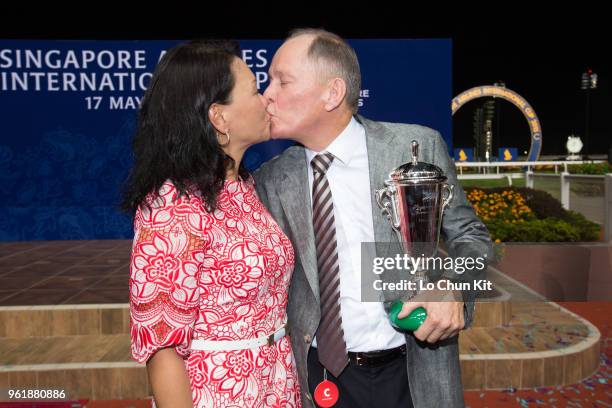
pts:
[322, 195]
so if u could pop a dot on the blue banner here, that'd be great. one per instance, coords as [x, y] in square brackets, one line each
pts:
[463, 154]
[508, 154]
[67, 110]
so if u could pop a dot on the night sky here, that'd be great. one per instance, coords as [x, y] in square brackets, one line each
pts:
[541, 56]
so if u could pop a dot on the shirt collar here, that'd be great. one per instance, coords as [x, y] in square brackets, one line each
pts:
[345, 145]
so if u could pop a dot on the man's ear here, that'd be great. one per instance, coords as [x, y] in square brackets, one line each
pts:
[336, 93]
[217, 119]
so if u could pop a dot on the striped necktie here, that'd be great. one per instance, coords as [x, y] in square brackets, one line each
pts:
[331, 346]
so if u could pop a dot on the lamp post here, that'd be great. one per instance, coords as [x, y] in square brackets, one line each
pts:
[498, 118]
[588, 82]
[489, 115]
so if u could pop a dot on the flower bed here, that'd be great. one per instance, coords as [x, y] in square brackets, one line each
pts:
[515, 214]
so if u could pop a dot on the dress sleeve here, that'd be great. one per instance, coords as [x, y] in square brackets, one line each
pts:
[164, 265]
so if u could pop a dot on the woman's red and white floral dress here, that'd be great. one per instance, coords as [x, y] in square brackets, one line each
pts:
[216, 276]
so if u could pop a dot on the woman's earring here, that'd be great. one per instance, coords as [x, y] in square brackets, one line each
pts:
[227, 134]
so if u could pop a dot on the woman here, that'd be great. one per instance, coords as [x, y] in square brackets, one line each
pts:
[210, 268]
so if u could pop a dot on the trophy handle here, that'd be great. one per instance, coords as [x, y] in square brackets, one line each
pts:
[447, 195]
[384, 201]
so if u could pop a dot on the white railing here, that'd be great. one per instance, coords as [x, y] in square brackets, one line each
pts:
[483, 166]
[508, 176]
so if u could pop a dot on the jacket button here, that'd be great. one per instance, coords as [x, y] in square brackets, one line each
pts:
[307, 338]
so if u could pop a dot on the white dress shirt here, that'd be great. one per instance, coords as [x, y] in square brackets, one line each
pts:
[366, 324]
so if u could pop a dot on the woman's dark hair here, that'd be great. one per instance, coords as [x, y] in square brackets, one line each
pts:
[174, 138]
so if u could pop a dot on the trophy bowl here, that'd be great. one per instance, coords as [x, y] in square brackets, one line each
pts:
[413, 200]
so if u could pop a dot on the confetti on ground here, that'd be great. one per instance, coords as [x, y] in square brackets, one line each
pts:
[592, 392]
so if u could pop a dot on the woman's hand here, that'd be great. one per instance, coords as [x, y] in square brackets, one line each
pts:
[169, 380]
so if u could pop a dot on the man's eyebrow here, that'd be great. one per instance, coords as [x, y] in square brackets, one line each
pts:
[284, 74]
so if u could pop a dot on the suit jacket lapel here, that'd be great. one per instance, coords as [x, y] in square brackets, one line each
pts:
[296, 202]
[382, 158]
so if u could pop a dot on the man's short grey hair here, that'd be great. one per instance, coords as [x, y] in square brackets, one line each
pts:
[336, 58]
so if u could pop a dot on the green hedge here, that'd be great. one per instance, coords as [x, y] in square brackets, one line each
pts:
[590, 168]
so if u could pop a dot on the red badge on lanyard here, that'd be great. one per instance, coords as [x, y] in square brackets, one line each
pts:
[326, 394]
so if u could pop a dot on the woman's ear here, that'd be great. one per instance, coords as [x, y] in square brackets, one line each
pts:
[215, 115]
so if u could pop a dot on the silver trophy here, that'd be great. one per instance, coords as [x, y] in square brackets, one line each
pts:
[413, 200]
